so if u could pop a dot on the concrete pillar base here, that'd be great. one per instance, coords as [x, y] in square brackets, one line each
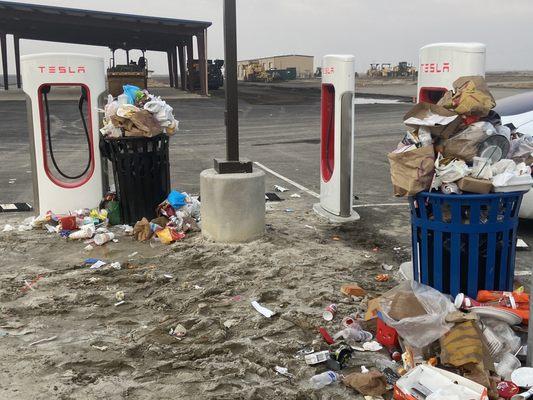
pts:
[232, 206]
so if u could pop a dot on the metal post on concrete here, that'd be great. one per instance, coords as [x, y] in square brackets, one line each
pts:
[190, 59]
[127, 57]
[170, 70]
[3, 45]
[175, 66]
[16, 42]
[181, 59]
[232, 164]
[240, 217]
[202, 61]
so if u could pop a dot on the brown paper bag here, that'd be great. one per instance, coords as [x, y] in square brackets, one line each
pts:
[471, 97]
[465, 144]
[142, 230]
[372, 383]
[146, 123]
[412, 171]
[423, 110]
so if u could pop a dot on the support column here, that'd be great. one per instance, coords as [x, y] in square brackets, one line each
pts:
[202, 61]
[190, 58]
[175, 66]
[170, 69]
[127, 57]
[183, 72]
[16, 41]
[3, 46]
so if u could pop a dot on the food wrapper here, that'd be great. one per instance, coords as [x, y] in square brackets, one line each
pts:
[471, 97]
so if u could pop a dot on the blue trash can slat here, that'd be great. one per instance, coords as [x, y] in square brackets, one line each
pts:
[502, 282]
[437, 247]
[455, 263]
[512, 258]
[490, 269]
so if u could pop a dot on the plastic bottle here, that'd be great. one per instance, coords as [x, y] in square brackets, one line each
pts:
[324, 379]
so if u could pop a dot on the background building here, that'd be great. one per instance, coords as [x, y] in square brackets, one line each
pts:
[303, 64]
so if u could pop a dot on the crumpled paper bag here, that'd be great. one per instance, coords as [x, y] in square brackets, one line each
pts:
[372, 383]
[471, 96]
[142, 231]
[412, 171]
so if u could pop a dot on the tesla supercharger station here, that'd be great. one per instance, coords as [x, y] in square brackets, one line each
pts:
[440, 64]
[64, 185]
[337, 139]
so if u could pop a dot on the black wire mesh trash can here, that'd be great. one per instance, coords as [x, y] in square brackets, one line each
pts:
[141, 172]
[465, 243]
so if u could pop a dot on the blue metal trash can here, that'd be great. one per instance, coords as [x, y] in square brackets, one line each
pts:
[464, 243]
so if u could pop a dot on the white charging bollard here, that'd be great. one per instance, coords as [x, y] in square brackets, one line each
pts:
[337, 139]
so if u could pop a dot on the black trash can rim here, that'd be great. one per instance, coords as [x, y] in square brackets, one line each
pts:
[132, 138]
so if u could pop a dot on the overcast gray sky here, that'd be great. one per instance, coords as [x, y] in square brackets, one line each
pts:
[374, 31]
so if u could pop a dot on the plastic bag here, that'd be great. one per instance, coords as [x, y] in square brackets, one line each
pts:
[417, 312]
[131, 92]
[447, 171]
[177, 199]
[465, 144]
[111, 107]
[521, 148]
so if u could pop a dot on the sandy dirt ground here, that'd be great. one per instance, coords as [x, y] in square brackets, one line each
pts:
[103, 351]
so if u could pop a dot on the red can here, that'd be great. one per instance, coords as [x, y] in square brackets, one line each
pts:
[507, 389]
[68, 223]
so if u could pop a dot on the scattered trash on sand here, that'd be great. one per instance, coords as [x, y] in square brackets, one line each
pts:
[281, 189]
[262, 310]
[43, 341]
[283, 371]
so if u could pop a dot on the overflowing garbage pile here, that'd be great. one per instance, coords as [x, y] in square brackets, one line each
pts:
[426, 345]
[178, 214]
[79, 224]
[136, 112]
[460, 145]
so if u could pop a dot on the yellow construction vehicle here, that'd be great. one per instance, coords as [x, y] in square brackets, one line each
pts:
[255, 72]
[374, 71]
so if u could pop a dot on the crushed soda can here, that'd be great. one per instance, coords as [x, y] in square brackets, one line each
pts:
[329, 312]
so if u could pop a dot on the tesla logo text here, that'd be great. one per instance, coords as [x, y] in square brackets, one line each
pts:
[52, 69]
[435, 68]
[328, 70]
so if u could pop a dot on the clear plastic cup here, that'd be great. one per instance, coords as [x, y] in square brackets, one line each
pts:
[507, 365]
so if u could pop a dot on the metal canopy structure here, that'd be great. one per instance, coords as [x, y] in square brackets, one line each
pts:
[113, 30]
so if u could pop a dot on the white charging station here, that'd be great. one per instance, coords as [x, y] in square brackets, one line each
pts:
[64, 76]
[337, 139]
[440, 64]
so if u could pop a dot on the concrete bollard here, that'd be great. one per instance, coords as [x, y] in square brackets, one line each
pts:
[232, 206]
